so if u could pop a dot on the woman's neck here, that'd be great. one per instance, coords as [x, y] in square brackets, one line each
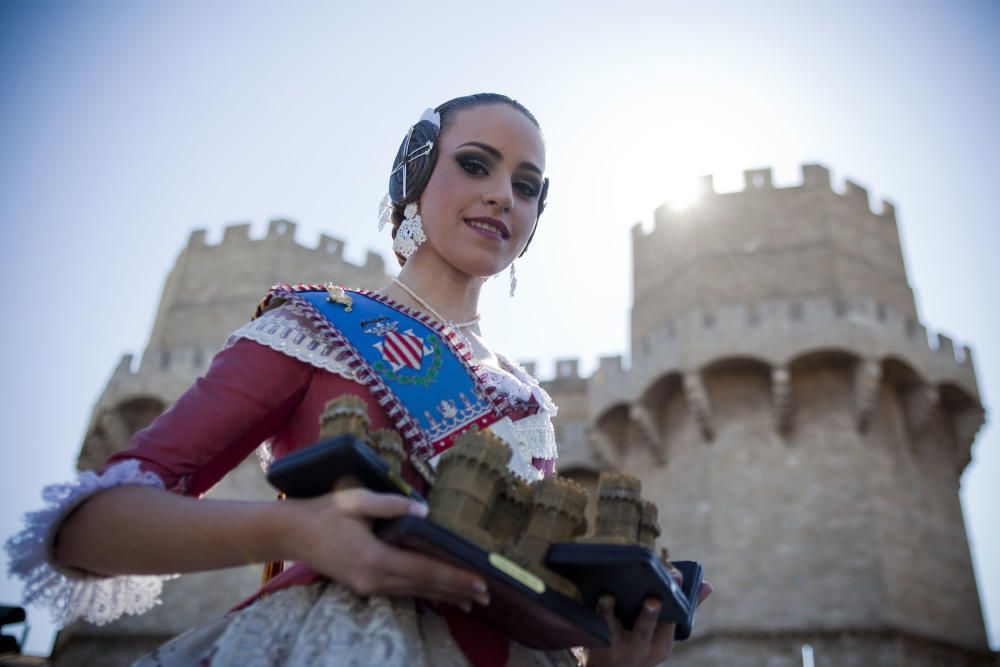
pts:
[453, 295]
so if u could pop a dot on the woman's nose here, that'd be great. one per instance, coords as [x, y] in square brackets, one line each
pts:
[501, 195]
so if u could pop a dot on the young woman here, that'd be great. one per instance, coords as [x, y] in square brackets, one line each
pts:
[466, 191]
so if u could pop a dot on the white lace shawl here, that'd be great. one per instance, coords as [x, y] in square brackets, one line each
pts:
[73, 594]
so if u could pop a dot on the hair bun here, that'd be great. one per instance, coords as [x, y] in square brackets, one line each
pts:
[414, 163]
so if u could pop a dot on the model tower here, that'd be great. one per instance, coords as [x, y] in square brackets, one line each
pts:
[799, 433]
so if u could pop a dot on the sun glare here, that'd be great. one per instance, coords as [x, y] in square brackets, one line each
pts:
[687, 130]
[683, 193]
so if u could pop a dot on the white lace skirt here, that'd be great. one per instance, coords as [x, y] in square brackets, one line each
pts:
[325, 625]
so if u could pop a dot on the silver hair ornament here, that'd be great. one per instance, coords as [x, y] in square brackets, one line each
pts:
[434, 118]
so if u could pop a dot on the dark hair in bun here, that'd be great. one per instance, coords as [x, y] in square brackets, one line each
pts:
[416, 172]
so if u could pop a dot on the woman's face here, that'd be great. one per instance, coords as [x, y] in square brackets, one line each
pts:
[481, 202]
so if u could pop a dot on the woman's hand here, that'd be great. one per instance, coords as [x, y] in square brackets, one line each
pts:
[332, 534]
[648, 643]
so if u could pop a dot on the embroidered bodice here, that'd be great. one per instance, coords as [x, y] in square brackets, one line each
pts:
[290, 330]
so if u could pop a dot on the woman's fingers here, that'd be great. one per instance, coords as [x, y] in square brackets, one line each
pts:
[363, 503]
[396, 586]
[649, 642]
[705, 590]
[646, 621]
[606, 608]
[433, 577]
[662, 644]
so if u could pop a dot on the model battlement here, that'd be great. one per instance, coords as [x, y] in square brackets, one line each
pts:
[278, 231]
[478, 499]
[346, 415]
[560, 494]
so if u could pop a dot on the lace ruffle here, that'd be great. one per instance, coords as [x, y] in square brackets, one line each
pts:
[522, 467]
[284, 329]
[529, 438]
[508, 385]
[76, 594]
[517, 371]
[536, 437]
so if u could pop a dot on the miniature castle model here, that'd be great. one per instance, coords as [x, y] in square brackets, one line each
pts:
[474, 489]
[783, 408]
[475, 496]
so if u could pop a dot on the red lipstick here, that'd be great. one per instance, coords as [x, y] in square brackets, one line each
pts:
[499, 229]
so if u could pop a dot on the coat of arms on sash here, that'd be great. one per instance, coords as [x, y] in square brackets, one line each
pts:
[404, 352]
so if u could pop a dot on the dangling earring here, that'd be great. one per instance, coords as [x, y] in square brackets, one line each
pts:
[410, 233]
[384, 211]
[513, 280]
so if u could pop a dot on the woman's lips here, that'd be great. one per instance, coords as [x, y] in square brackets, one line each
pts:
[489, 227]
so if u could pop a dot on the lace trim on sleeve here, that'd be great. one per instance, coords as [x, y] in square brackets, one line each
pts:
[540, 395]
[536, 437]
[285, 329]
[72, 594]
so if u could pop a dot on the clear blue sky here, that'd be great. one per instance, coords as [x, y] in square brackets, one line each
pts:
[123, 125]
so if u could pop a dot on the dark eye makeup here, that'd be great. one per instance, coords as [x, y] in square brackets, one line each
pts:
[476, 165]
[472, 164]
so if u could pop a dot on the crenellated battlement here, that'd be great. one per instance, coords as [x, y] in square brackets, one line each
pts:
[816, 178]
[213, 290]
[776, 333]
[236, 237]
[742, 247]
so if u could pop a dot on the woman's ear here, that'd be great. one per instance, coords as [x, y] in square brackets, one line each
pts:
[542, 199]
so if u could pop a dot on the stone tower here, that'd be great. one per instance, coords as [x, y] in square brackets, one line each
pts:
[211, 291]
[801, 435]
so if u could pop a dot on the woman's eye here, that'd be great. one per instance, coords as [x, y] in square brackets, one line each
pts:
[473, 166]
[526, 189]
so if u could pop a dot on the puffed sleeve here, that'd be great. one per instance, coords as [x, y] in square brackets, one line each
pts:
[248, 393]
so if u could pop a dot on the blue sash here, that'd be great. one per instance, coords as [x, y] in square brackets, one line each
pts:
[419, 370]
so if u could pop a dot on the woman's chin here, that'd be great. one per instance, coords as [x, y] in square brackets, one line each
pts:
[483, 270]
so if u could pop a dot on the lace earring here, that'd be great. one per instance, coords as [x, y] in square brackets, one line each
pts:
[513, 280]
[410, 233]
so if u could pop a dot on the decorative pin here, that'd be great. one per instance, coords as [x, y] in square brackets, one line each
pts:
[336, 294]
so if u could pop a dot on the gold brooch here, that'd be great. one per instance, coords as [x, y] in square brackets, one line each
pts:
[336, 294]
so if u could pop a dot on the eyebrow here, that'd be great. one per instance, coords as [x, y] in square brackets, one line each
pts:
[498, 155]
